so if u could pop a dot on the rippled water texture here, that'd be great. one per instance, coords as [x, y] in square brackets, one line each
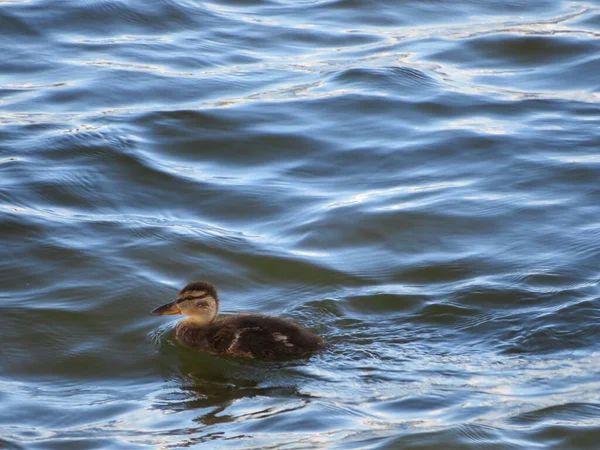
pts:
[417, 181]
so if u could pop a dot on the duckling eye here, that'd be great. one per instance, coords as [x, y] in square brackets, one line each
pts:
[192, 297]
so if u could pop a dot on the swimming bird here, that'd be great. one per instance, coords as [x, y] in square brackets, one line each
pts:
[253, 336]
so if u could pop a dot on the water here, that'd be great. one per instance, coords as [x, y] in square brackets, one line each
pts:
[416, 181]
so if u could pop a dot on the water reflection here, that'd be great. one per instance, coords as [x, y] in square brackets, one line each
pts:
[415, 181]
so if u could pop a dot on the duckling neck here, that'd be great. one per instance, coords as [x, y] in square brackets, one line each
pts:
[192, 331]
[195, 322]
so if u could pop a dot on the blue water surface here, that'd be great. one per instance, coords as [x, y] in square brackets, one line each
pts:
[418, 182]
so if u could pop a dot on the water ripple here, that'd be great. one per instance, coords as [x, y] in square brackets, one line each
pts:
[416, 182]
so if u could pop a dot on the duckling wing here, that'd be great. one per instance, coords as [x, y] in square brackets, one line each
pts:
[264, 337]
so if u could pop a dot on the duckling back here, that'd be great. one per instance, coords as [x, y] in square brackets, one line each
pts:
[252, 336]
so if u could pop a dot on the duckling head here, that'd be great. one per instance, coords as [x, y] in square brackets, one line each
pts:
[198, 300]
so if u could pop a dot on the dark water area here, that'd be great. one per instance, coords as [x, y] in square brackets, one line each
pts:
[418, 182]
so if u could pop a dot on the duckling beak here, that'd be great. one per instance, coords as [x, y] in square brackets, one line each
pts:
[165, 310]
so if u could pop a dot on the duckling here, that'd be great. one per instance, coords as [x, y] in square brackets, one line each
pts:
[252, 336]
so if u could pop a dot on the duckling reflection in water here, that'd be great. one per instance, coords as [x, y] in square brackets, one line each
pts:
[251, 336]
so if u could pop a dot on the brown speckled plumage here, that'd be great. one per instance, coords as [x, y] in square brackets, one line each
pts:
[252, 336]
